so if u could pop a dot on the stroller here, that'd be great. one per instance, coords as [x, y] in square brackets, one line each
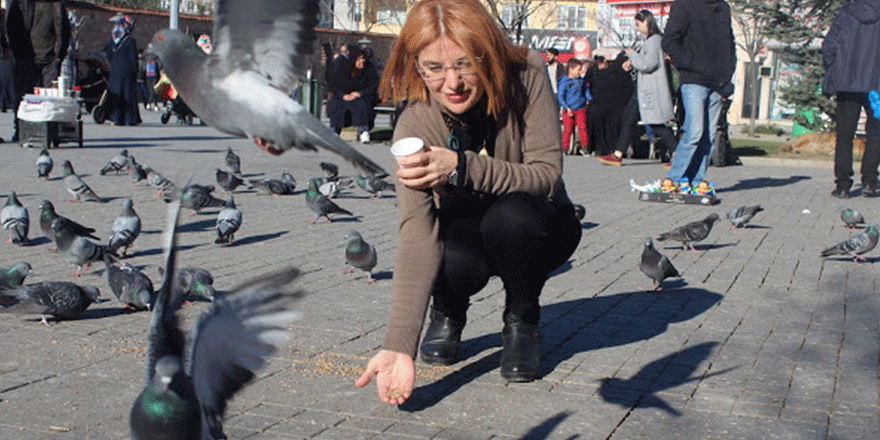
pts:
[166, 92]
[92, 74]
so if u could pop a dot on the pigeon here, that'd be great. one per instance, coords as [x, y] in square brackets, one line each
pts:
[136, 171]
[188, 382]
[130, 285]
[76, 186]
[579, 212]
[857, 245]
[691, 232]
[359, 254]
[48, 215]
[851, 217]
[655, 265]
[276, 187]
[320, 204]
[44, 164]
[742, 215]
[233, 162]
[243, 87]
[13, 276]
[117, 163]
[159, 182]
[59, 299]
[195, 281]
[77, 250]
[126, 228]
[332, 188]
[331, 170]
[227, 181]
[15, 219]
[228, 222]
[374, 185]
[198, 197]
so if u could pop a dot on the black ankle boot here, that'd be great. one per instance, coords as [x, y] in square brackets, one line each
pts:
[440, 345]
[521, 354]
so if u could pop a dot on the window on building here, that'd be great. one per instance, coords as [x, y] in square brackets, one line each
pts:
[511, 12]
[571, 17]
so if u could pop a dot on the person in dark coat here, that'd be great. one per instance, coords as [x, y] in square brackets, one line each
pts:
[354, 88]
[121, 51]
[8, 98]
[612, 87]
[852, 69]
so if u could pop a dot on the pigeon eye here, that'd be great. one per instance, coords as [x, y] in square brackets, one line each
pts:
[160, 37]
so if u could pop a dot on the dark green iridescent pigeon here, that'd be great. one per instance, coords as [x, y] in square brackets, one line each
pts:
[320, 204]
[195, 281]
[198, 197]
[359, 254]
[60, 299]
[857, 245]
[130, 285]
[851, 217]
[13, 276]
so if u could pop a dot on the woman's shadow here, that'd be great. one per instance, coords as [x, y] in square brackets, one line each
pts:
[577, 326]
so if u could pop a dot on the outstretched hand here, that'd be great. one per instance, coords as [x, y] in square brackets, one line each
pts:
[394, 372]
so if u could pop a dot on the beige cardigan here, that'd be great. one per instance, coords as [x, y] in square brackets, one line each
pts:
[525, 160]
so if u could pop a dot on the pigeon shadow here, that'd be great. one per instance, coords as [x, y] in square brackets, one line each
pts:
[545, 428]
[576, 326]
[159, 250]
[115, 146]
[668, 372]
[702, 248]
[201, 225]
[101, 313]
[164, 138]
[752, 227]
[151, 231]
[198, 150]
[37, 241]
[346, 220]
[588, 225]
[383, 275]
[666, 286]
[561, 269]
[258, 238]
[763, 182]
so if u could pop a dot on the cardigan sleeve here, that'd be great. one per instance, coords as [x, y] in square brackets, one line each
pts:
[647, 59]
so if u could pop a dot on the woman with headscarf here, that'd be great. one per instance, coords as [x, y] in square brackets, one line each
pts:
[121, 52]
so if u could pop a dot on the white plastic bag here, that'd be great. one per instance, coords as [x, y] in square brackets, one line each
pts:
[47, 109]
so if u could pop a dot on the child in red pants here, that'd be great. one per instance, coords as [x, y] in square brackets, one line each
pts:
[574, 96]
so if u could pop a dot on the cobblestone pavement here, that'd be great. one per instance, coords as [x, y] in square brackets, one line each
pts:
[761, 338]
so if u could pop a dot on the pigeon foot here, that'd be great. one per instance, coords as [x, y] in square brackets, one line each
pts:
[267, 146]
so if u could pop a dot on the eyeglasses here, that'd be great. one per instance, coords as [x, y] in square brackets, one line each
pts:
[435, 72]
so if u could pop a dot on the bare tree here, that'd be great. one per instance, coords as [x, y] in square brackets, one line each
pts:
[513, 15]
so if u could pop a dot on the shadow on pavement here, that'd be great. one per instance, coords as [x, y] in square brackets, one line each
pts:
[763, 182]
[258, 238]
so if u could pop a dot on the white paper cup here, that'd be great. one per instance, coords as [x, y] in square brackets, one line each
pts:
[407, 146]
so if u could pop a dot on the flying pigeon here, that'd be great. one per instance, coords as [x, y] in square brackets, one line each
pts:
[130, 285]
[580, 212]
[13, 276]
[15, 219]
[851, 217]
[331, 170]
[188, 383]
[691, 232]
[742, 215]
[117, 163]
[195, 281]
[332, 188]
[77, 250]
[227, 180]
[374, 185]
[233, 162]
[655, 265]
[44, 164]
[857, 245]
[228, 222]
[320, 204]
[198, 197]
[126, 228]
[276, 187]
[59, 299]
[76, 186]
[359, 254]
[48, 215]
[243, 87]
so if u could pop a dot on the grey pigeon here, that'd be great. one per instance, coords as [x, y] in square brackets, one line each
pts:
[331, 170]
[691, 232]
[579, 212]
[742, 215]
[332, 188]
[227, 180]
[77, 250]
[282, 187]
[44, 164]
[188, 382]
[655, 265]
[374, 185]
[59, 299]
[857, 245]
[228, 222]
[359, 254]
[158, 181]
[243, 87]
[48, 215]
[198, 197]
[195, 281]
[126, 228]
[136, 171]
[15, 219]
[320, 204]
[851, 217]
[233, 162]
[13, 276]
[76, 186]
[130, 285]
[117, 163]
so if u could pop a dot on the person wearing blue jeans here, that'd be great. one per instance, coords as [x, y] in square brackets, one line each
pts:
[699, 39]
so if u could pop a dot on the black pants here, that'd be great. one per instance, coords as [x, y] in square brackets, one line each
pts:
[849, 106]
[519, 237]
[628, 123]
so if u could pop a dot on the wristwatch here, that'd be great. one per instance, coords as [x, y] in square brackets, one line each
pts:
[456, 176]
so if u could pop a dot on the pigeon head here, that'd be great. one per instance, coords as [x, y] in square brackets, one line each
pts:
[92, 292]
[649, 243]
[127, 207]
[44, 152]
[166, 370]
[230, 202]
[174, 47]
[873, 229]
[18, 272]
[68, 167]
[353, 236]
[47, 207]
[712, 218]
[12, 199]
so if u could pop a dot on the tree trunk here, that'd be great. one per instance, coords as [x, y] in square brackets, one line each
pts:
[753, 72]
